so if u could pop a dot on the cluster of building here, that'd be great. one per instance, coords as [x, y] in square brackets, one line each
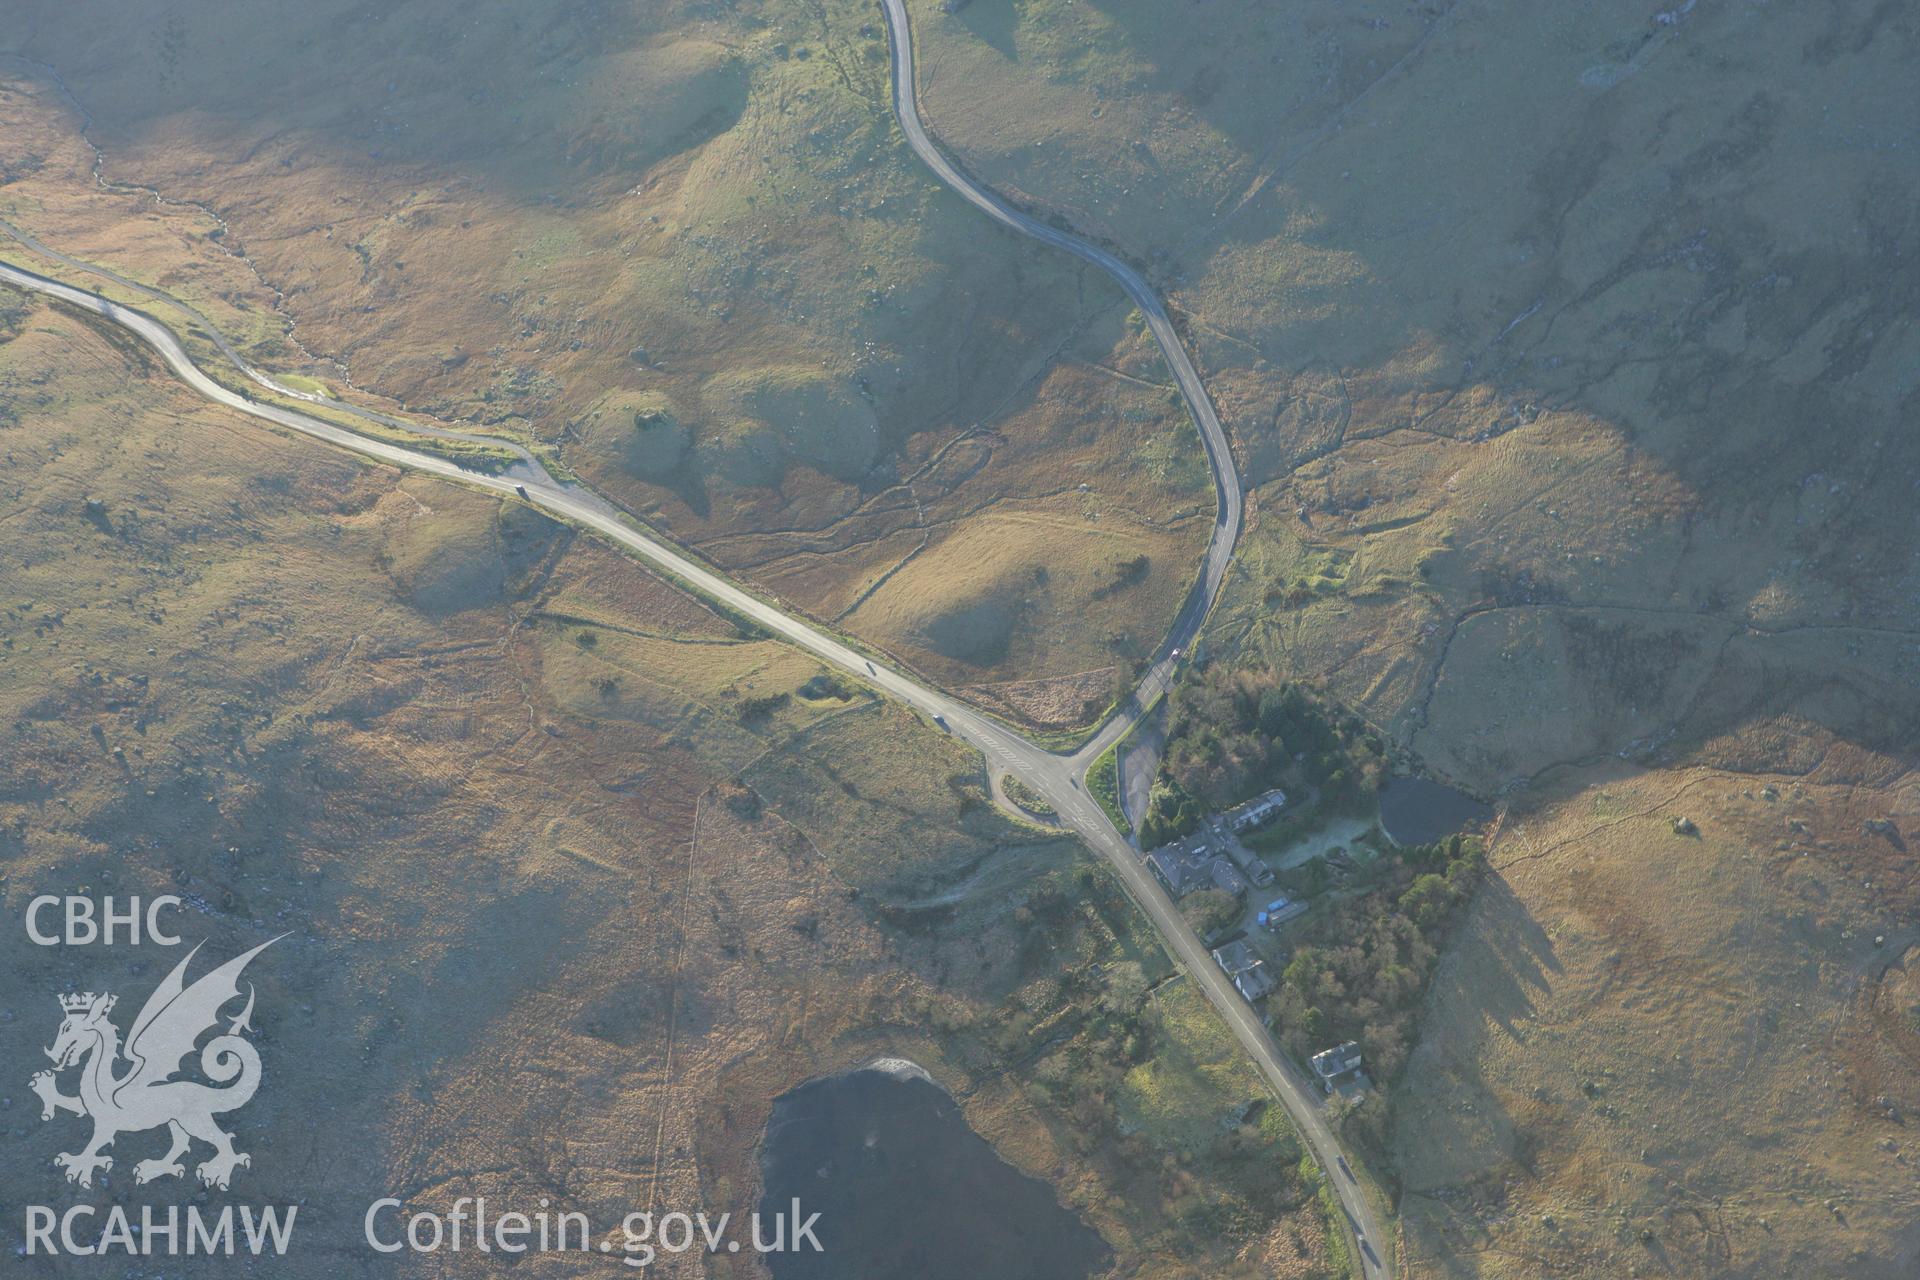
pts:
[1214, 859]
[1186, 865]
[1209, 860]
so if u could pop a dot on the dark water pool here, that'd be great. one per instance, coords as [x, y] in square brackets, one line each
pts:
[1420, 811]
[906, 1191]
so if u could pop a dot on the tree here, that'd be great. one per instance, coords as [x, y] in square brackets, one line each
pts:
[1210, 911]
[1427, 900]
[1273, 715]
[1171, 813]
[1304, 970]
[1466, 871]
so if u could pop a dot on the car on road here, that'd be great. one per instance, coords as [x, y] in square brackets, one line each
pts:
[942, 722]
[520, 489]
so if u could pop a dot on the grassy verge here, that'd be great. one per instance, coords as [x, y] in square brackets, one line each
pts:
[1062, 740]
[1103, 784]
[1339, 1259]
[472, 455]
[301, 382]
[1027, 798]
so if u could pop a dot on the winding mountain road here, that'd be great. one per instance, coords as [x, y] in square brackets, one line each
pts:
[1042, 770]
[1226, 480]
[1059, 778]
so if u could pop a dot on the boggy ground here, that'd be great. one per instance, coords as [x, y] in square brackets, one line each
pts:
[575, 877]
[682, 249]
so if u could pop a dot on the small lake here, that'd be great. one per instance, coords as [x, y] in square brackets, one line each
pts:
[907, 1191]
[1420, 811]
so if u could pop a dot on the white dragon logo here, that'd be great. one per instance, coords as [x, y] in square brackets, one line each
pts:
[146, 1096]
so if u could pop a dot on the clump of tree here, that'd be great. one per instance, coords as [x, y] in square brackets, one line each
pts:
[1233, 733]
[1099, 1027]
[1365, 959]
[824, 685]
[1172, 812]
[1051, 996]
[1211, 911]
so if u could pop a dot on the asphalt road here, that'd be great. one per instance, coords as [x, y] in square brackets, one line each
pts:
[526, 464]
[1059, 778]
[1226, 527]
[1044, 771]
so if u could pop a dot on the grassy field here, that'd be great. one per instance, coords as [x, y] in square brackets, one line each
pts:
[698, 268]
[578, 878]
[1566, 351]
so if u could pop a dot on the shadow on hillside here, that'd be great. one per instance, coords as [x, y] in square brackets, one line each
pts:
[1515, 967]
[992, 21]
[546, 102]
